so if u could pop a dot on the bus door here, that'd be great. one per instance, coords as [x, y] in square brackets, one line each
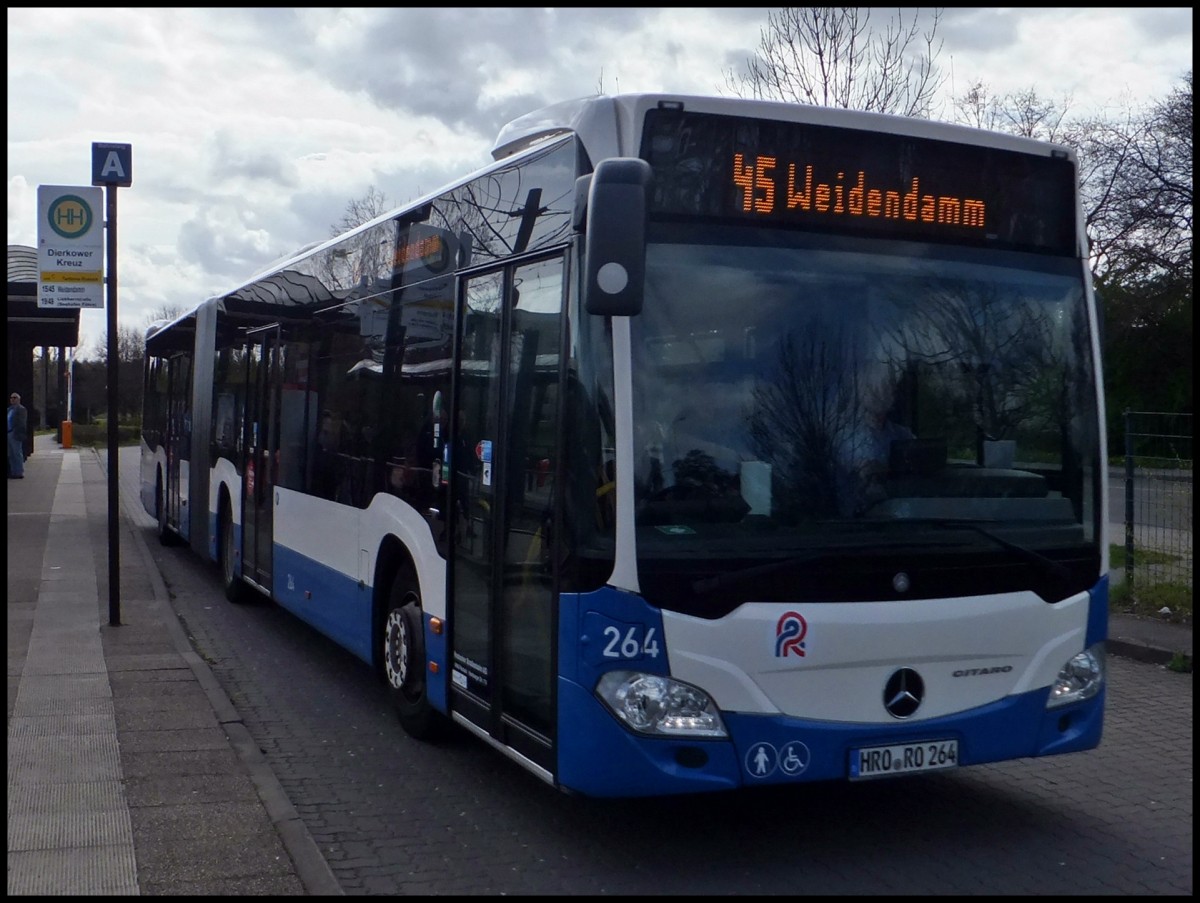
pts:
[263, 373]
[177, 441]
[501, 459]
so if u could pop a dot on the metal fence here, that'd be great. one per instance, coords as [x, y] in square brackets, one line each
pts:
[1158, 498]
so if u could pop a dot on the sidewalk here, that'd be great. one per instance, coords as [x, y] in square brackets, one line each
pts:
[129, 770]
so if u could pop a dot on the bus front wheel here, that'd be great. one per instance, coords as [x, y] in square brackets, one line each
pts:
[404, 660]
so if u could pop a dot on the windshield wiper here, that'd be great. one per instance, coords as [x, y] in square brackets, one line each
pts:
[712, 584]
[1047, 566]
[730, 578]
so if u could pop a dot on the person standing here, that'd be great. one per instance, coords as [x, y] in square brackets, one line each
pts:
[18, 424]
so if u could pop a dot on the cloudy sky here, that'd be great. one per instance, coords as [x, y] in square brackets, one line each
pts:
[251, 129]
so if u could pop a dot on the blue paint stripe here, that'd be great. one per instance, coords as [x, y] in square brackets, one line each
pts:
[332, 602]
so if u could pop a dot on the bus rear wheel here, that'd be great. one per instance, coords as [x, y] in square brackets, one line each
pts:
[404, 660]
[231, 582]
[165, 536]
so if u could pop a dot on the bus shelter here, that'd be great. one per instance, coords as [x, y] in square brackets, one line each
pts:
[42, 382]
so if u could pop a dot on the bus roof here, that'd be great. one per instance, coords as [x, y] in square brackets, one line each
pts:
[609, 125]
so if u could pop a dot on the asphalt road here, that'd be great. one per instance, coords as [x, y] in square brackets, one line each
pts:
[394, 816]
[1160, 499]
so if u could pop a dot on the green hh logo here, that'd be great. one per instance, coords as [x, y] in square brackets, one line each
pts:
[70, 216]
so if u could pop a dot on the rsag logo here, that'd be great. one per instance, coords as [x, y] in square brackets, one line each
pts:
[789, 635]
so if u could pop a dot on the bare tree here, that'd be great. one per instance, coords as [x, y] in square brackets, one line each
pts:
[361, 210]
[1141, 216]
[129, 345]
[803, 415]
[1022, 112]
[360, 257]
[91, 376]
[1034, 117]
[830, 56]
[164, 312]
[978, 107]
[1140, 220]
[600, 84]
[1136, 180]
[1135, 173]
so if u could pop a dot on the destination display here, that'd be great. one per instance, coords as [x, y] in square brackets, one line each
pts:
[844, 180]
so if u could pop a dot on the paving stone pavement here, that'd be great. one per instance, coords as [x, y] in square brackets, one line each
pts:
[129, 771]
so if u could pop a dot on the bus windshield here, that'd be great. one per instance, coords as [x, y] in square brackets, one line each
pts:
[796, 393]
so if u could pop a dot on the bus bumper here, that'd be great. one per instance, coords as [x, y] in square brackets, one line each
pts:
[599, 757]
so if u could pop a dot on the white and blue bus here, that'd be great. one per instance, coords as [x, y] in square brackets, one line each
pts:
[693, 444]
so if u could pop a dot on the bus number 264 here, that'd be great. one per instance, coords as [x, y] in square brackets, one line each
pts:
[632, 644]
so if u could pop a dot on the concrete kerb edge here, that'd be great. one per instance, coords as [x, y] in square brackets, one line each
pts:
[312, 869]
[1141, 652]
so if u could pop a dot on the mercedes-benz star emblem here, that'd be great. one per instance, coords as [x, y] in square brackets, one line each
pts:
[903, 693]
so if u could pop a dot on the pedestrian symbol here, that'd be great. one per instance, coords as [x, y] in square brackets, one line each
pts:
[761, 760]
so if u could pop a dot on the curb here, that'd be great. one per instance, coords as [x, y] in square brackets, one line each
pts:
[1141, 652]
[311, 867]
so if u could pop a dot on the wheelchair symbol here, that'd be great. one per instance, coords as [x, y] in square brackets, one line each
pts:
[794, 758]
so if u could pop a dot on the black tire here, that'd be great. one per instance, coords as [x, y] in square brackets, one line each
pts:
[404, 660]
[231, 581]
[165, 536]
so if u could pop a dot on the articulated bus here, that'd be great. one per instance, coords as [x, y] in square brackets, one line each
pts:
[692, 444]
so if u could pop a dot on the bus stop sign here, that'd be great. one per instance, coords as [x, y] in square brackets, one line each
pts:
[112, 164]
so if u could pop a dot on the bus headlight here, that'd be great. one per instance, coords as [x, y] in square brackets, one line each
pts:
[653, 704]
[1081, 678]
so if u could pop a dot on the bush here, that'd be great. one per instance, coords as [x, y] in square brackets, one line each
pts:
[1149, 601]
[95, 435]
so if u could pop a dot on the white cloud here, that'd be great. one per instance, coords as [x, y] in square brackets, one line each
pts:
[251, 129]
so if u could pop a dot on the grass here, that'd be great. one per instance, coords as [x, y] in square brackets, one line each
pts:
[1180, 663]
[1149, 600]
[1116, 555]
[95, 435]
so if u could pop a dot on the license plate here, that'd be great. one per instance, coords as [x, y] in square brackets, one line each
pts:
[903, 758]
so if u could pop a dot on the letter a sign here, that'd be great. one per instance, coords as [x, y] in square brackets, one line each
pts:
[112, 164]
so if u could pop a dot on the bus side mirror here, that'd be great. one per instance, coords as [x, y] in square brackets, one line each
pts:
[614, 245]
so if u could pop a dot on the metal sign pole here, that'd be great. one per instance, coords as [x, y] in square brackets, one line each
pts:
[114, 532]
[112, 167]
